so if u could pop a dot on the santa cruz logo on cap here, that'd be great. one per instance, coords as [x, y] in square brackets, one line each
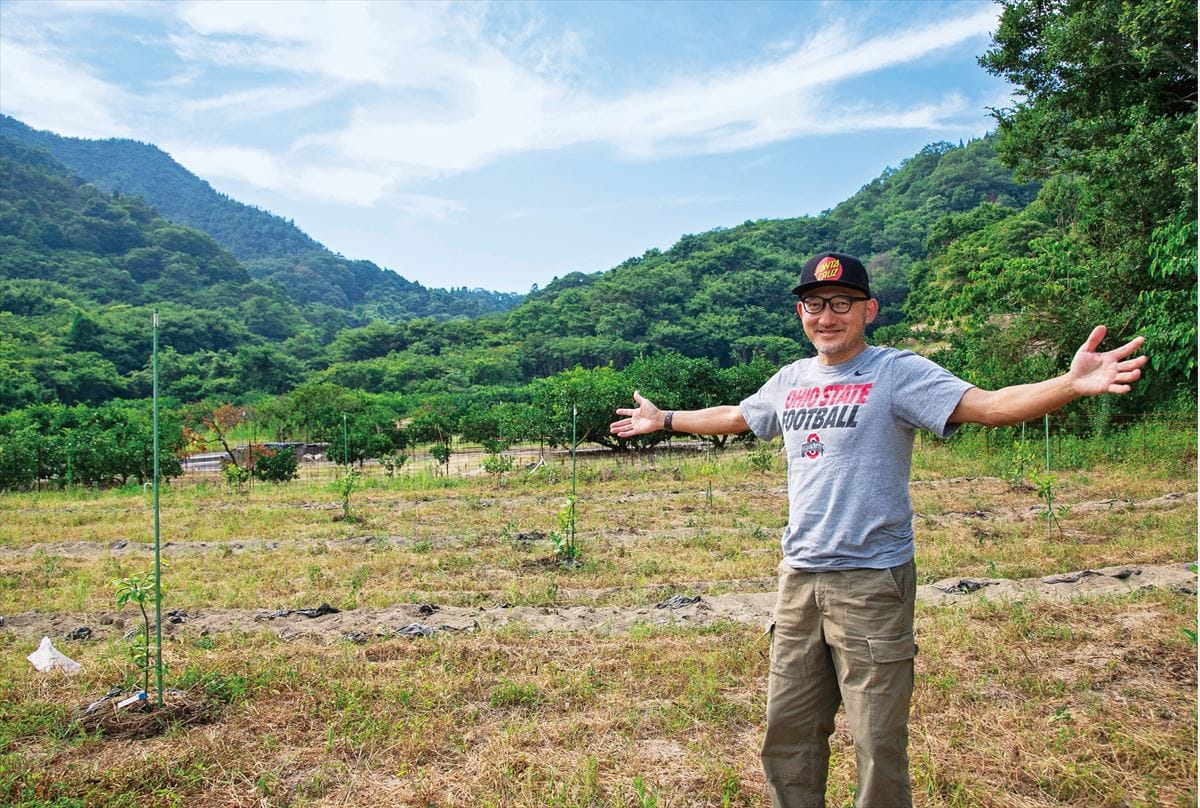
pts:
[829, 269]
[813, 448]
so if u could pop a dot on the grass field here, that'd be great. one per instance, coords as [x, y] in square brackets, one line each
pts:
[1084, 702]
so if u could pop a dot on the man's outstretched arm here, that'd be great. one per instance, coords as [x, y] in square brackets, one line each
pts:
[646, 417]
[1092, 373]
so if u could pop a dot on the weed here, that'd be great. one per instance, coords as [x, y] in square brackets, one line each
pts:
[645, 798]
[356, 582]
[227, 688]
[762, 457]
[514, 694]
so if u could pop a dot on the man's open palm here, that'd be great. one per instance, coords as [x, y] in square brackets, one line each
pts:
[644, 419]
[1093, 373]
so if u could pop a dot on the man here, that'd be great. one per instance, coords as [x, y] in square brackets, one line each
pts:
[843, 624]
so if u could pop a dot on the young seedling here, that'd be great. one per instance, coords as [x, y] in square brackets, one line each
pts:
[1045, 483]
[393, 462]
[235, 476]
[345, 486]
[139, 589]
[441, 453]
[563, 537]
[496, 465]
[1023, 459]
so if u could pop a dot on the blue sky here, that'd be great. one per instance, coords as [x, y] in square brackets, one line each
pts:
[498, 145]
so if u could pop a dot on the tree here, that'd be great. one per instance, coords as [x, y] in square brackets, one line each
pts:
[1107, 90]
[1107, 108]
[276, 465]
[372, 431]
[437, 420]
[592, 394]
[219, 419]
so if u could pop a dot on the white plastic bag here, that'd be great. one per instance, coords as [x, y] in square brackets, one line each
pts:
[47, 658]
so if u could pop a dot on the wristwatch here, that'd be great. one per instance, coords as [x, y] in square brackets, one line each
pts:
[667, 420]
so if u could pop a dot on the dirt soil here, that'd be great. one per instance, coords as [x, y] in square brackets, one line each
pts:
[363, 625]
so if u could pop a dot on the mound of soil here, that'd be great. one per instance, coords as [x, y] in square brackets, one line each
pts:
[179, 709]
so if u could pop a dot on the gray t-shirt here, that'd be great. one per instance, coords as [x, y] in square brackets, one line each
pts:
[848, 430]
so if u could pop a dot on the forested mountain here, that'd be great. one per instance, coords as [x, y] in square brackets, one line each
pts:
[130, 168]
[725, 294]
[96, 261]
[268, 246]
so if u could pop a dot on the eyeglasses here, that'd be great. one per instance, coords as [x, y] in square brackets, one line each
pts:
[839, 303]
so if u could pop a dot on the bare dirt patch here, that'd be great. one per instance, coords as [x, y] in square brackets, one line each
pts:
[363, 624]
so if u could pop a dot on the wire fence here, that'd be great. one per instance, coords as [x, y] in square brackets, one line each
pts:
[1131, 437]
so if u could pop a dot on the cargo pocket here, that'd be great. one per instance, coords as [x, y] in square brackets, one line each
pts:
[892, 649]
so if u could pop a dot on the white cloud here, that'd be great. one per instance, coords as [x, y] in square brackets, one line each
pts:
[422, 207]
[340, 184]
[48, 92]
[494, 106]
[389, 93]
[259, 102]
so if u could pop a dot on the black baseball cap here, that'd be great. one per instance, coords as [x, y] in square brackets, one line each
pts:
[833, 269]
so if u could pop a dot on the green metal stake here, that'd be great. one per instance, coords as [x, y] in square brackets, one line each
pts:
[345, 442]
[157, 547]
[1046, 421]
[574, 420]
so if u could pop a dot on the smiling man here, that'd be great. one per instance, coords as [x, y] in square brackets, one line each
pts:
[842, 632]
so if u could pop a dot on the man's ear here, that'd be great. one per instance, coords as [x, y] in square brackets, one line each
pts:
[872, 309]
[800, 309]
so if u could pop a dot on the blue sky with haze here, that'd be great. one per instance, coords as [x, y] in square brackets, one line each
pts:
[498, 145]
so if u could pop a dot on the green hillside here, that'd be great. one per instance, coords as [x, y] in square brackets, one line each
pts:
[269, 247]
[99, 260]
[131, 168]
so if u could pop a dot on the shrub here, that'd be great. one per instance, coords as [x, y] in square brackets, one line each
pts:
[277, 466]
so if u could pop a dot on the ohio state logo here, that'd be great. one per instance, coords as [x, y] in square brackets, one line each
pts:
[829, 269]
[813, 448]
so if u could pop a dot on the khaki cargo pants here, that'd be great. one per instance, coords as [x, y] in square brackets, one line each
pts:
[841, 637]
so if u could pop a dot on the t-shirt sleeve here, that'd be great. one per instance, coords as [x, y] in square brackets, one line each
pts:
[925, 394]
[762, 409]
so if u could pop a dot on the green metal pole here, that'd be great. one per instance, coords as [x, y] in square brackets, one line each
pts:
[157, 546]
[345, 442]
[1046, 421]
[574, 421]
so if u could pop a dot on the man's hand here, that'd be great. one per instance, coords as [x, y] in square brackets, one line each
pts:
[1093, 373]
[644, 419]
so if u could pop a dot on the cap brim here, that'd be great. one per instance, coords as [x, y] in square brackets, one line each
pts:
[804, 287]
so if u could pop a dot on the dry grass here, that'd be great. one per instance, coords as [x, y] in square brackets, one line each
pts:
[1017, 705]
[1033, 704]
